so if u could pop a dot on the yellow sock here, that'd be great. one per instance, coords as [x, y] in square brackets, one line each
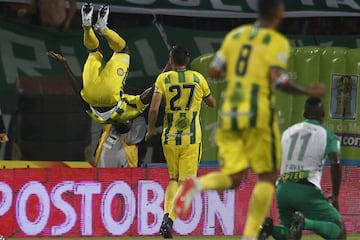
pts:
[115, 42]
[90, 40]
[259, 206]
[170, 192]
[215, 181]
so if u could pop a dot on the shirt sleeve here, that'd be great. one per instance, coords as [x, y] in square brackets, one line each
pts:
[223, 50]
[159, 84]
[332, 144]
[279, 52]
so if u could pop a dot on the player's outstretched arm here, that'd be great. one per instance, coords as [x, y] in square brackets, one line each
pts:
[281, 80]
[335, 168]
[152, 115]
[75, 82]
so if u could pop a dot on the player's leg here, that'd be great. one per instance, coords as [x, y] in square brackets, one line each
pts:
[90, 75]
[188, 166]
[93, 63]
[320, 217]
[262, 146]
[116, 43]
[284, 191]
[90, 40]
[232, 161]
[171, 153]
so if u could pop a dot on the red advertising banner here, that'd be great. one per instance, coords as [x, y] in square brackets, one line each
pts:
[71, 202]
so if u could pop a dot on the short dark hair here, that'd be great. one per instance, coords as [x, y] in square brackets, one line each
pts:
[267, 8]
[179, 55]
[313, 108]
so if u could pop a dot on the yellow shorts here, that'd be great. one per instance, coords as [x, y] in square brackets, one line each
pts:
[259, 149]
[182, 160]
[102, 85]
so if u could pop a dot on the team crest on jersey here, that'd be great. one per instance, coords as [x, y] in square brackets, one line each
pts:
[120, 72]
[182, 123]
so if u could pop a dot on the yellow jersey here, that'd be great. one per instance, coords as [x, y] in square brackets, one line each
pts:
[182, 92]
[249, 52]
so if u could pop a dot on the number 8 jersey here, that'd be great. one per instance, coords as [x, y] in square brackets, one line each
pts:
[183, 92]
[247, 53]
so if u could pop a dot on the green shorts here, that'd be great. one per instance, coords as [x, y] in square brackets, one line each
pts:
[305, 198]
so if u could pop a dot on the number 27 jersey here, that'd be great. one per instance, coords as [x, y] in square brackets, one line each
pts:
[183, 92]
[248, 53]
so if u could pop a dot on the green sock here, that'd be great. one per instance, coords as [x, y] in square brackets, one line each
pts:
[279, 232]
[327, 230]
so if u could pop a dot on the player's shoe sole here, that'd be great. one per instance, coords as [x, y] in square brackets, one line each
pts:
[102, 19]
[184, 198]
[266, 229]
[87, 10]
[298, 223]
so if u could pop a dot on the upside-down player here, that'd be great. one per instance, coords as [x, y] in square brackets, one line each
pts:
[102, 86]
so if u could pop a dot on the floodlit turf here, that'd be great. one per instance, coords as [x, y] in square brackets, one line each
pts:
[305, 237]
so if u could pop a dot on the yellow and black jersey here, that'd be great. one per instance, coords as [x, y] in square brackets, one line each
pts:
[183, 92]
[248, 53]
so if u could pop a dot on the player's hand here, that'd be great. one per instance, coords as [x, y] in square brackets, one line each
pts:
[56, 56]
[149, 134]
[3, 138]
[334, 201]
[317, 90]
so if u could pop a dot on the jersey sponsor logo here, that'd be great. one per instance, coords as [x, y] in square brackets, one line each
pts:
[180, 135]
[294, 176]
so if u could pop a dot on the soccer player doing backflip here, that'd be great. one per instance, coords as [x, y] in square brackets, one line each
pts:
[102, 86]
